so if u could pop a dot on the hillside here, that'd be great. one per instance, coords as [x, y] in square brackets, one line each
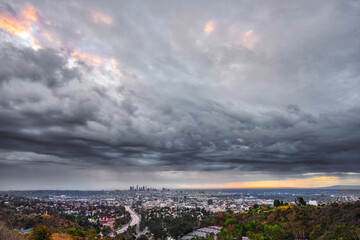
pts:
[331, 221]
[8, 234]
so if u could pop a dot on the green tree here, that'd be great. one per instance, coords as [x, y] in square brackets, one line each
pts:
[106, 230]
[229, 211]
[76, 232]
[275, 232]
[230, 221]
[159, 232]
[41, 232]
[143, 237]
[277, 203]
[300, 201]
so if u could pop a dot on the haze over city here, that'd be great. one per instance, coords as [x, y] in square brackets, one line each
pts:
[179, 94]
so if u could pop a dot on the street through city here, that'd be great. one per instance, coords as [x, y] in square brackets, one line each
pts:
[135, 220]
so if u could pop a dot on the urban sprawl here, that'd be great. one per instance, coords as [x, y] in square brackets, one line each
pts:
[140, 209]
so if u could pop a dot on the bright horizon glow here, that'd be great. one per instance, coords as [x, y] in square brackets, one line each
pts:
[315, 182]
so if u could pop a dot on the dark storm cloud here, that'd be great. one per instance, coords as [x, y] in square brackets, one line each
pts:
[271, 88]
[43, 65]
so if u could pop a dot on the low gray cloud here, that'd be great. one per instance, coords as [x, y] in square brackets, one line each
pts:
[43, 65]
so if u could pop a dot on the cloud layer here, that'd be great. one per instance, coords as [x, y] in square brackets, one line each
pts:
[184, 88]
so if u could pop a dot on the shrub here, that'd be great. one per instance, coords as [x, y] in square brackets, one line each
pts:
[41, 232]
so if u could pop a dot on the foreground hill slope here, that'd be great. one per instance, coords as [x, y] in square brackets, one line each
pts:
[9, 234]
[331, 221]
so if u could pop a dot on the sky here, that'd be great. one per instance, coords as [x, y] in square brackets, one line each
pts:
[179, 94]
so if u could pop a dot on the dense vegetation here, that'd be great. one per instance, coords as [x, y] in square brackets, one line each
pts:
[331, 221]
[41, 232]
[163, 225]
[23, 213]
[54, 223]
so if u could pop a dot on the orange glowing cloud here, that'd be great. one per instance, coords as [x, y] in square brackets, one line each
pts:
[250, 39]
[31, 13]
[115, 67]
[110, 64]
[247, 39]
[24, 24]
[14, 26]
[98, 17]
[209, 27]
[89, 59]
[21, 25]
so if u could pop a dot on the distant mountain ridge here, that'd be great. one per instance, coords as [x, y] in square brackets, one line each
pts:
[344, 187]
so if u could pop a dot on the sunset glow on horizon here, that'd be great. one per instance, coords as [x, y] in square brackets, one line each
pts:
[314, 182]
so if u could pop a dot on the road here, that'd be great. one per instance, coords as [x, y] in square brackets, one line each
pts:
[135, 220]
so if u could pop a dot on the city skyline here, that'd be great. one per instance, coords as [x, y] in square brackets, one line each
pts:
[179, 94]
